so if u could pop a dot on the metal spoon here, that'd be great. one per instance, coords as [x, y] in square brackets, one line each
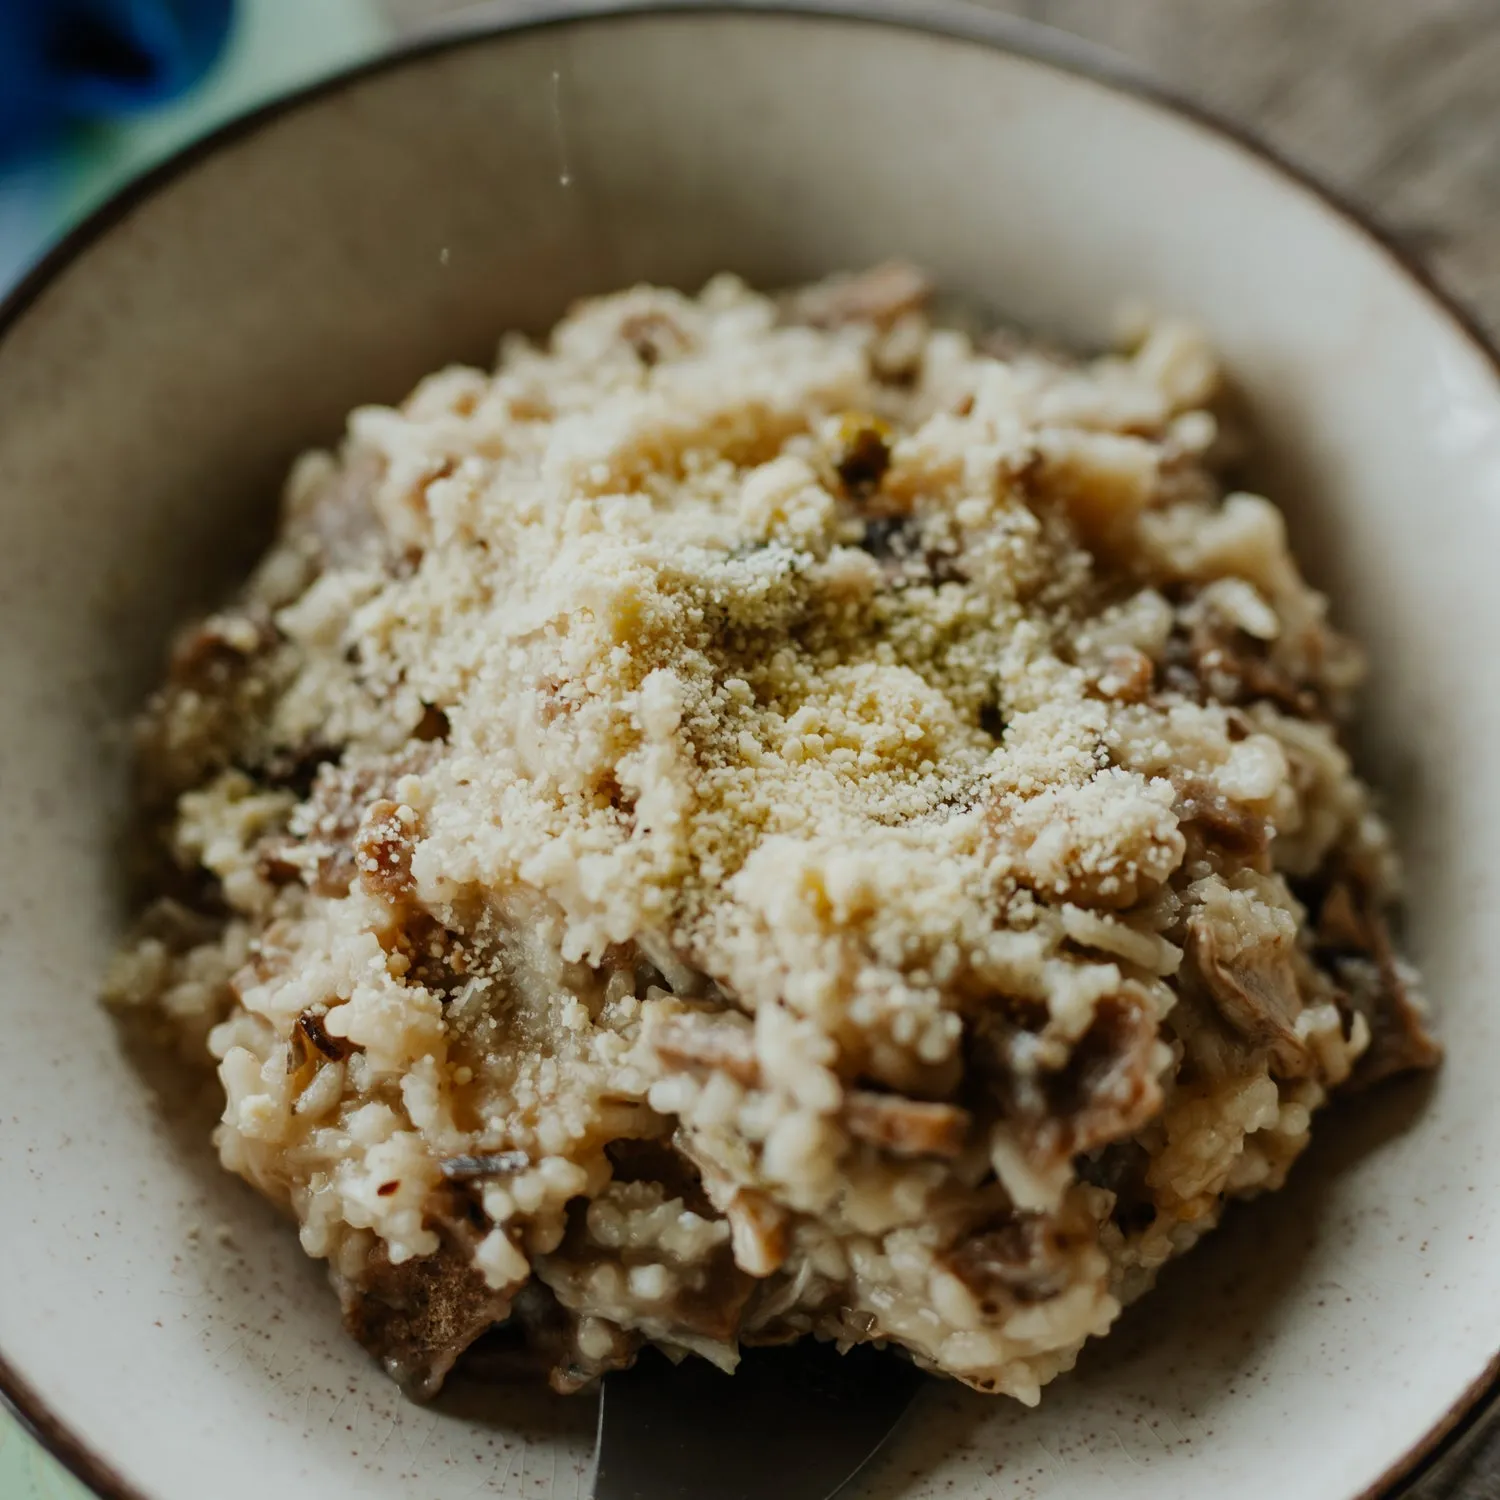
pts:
[793, 1423]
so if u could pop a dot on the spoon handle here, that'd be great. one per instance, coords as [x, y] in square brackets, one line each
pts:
[792, 1423]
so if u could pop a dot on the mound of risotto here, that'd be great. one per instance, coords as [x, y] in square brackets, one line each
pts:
[765, 818]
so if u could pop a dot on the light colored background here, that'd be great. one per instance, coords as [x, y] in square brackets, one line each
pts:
[1395, 102]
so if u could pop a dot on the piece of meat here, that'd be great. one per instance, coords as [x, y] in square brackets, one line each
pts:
[713, 1042]
[1023, 1260]
[1254, 989]
[541, 1339]
[322, 848]
[1229, 666]
[878, 296]
[1353, 944]
[207, 656]
[418, 1317]
[383, 849]
[1126, 675]
[1105, 1091]
[1220, 821]
[1121, 1169]
[907, 1127]
[759, 1235]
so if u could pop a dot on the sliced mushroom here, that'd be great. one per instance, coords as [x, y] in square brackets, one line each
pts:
[1125, 675]
[1109, 1088]
[311, 1040]
[907, 1127]
[208, 655]
[715, 1042]
[1400, 1038]
[320, 848]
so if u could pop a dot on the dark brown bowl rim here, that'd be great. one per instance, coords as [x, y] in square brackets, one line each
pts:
[954, 19]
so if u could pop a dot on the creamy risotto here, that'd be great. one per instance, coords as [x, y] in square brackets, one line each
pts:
[762, 818]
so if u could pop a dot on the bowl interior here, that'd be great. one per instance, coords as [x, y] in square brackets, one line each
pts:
[154, 390]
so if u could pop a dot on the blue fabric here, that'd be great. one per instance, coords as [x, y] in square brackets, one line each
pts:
[67, 60]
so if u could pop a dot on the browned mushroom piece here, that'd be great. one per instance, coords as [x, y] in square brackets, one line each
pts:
[205, 716]
[720, 1042]
[310, 1041]
[907, 1127]
[1121, 1168]
[540, 1338]
[324, 848]
[1254, 989]
[653, 336]
[715, 1306]
[863, 454]
[528, 1344]
[879, 296]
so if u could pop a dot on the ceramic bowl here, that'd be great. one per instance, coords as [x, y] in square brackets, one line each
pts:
[157, 1323]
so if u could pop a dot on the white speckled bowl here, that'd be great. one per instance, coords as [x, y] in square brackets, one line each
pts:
[157, 375]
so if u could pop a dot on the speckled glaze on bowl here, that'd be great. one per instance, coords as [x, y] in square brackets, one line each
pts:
[157, 1324]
